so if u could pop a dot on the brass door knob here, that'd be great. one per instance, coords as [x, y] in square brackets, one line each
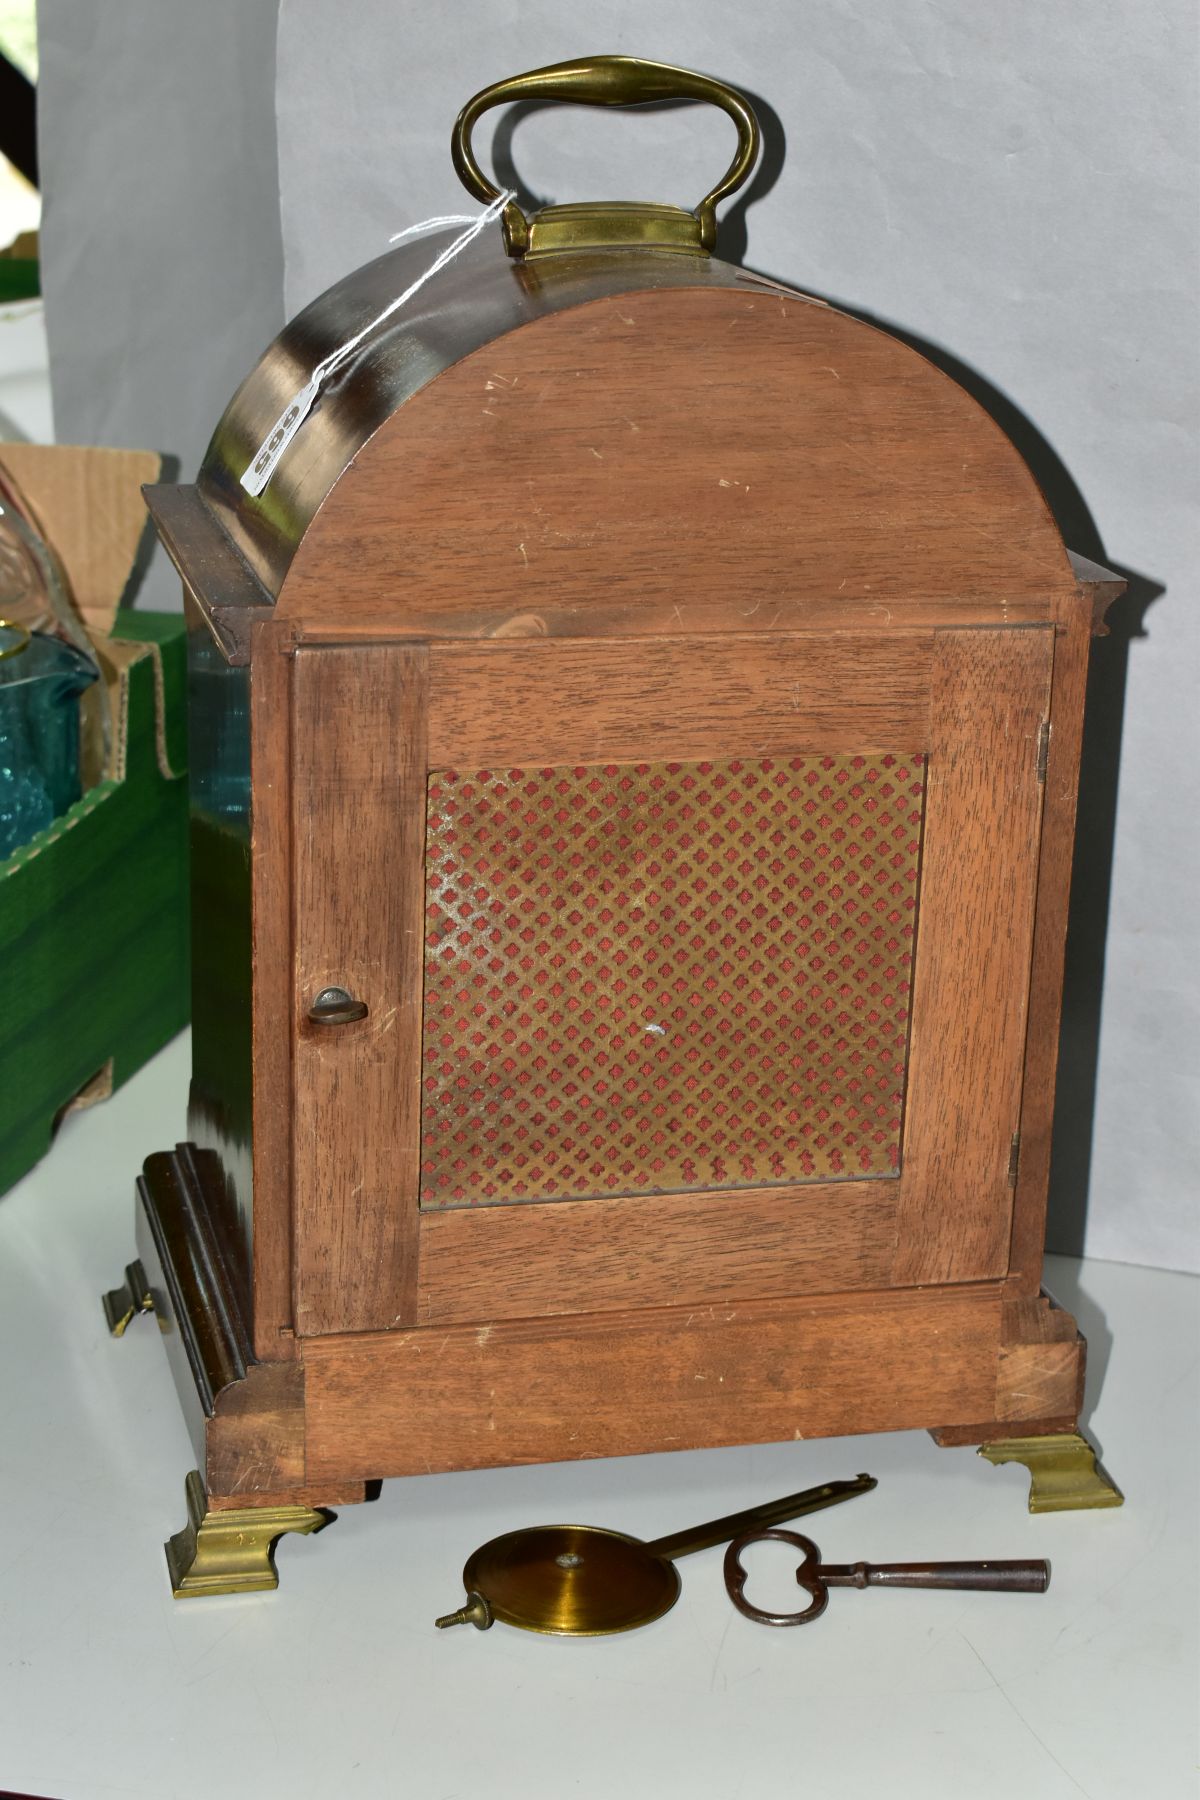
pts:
[334, 1006]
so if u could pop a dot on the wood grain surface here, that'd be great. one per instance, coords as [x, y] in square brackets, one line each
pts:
[622, 701]
[1039, 1375]
[256, 1437]
[688, 523]
[228, 595]
[512, 1262]
[991, 691]
[683, 699]
[255, 1454]
[688, 460]
[620, 1383]
[358, 819]
[1078, 622]
[948, 1216]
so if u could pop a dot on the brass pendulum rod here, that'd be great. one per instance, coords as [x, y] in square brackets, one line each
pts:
[774, 1512]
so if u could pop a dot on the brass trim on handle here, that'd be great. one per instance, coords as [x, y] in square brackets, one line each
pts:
[334, 1006]
[608, 81]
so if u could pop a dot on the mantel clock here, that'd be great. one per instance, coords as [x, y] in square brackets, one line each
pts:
[634, 745]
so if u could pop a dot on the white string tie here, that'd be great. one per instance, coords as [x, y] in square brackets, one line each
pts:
[266, 457]
[438, 224]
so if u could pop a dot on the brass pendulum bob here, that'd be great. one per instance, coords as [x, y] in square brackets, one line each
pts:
[583, 1581]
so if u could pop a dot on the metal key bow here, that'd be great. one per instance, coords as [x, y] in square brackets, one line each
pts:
[816, 1577]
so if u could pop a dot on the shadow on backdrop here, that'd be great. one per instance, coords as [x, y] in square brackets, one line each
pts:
[1068, 1284]
[148, 546]
[1099, 771]
[1091, 879]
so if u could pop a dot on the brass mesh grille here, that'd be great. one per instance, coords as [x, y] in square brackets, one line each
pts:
[658, 977]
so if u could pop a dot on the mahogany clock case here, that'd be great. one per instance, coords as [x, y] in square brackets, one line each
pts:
[652, 699]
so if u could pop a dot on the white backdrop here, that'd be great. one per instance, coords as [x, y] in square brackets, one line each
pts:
[162, 265]
[1014, 185]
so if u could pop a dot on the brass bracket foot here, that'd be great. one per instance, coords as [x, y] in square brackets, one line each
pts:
[1062, 1470]
[229, 1552]
[124, 1303]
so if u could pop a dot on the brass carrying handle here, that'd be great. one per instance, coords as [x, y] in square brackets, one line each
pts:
[606, 81]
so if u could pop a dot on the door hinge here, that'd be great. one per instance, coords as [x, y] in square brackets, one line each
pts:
[1043, 748]
[1014, 1158]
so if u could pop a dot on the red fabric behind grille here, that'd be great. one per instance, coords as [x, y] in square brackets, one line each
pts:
[659, 977]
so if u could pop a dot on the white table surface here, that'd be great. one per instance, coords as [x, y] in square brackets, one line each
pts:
[338, 1686]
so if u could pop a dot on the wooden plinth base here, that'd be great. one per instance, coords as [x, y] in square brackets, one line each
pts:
[310, 1430]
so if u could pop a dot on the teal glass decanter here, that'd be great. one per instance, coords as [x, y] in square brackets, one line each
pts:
[41, 679]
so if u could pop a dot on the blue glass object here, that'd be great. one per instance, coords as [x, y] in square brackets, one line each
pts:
[218, 736]
[41, 679]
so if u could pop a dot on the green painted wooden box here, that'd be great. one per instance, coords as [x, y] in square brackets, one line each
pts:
[94, 927]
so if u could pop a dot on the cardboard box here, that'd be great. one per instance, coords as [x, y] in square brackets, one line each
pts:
[94, 910]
